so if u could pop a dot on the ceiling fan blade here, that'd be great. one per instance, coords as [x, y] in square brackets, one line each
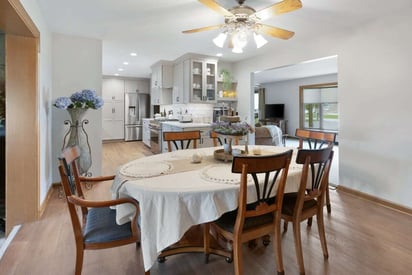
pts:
[216, 7]
[278, 8]
[204, 29]
[275, 32]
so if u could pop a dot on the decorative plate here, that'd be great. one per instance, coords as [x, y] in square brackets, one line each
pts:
[140, 169]
[220, 174]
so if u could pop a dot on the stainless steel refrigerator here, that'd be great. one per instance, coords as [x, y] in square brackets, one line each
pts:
[137, 107]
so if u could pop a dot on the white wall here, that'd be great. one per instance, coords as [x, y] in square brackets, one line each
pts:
[77, 65]
[287, 92]
[45, 91]
[374, 65]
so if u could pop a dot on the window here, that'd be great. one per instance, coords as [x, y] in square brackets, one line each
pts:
[319, 107]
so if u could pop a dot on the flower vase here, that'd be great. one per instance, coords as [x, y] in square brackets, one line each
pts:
[77, 135]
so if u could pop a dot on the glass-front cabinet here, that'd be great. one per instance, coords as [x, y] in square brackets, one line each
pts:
[202, 80]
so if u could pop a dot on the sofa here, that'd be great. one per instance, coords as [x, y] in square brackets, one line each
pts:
[268, 135]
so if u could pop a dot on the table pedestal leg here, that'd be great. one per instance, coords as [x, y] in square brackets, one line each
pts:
[194, 241]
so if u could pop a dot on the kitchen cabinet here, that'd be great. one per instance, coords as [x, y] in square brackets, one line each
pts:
[161, 83]
[179, 96]
[113, 119]
[113, 89]
[200, 80]
[146, 132]
[141, 84]
[113, 109]
[160, 96]
[162, 75]
[171, 126]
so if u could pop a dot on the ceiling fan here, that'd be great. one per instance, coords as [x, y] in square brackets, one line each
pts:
[241, 21]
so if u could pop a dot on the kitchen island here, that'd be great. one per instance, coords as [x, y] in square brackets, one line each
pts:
[176, 126]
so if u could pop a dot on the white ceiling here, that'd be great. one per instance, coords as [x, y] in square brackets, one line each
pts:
[153, 28]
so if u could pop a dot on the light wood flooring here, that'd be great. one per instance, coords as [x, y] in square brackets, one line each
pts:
[362, 237]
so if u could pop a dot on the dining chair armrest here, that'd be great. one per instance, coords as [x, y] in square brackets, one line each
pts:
[88, 203]
[96, 179]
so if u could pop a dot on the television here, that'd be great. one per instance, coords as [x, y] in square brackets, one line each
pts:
[275, 111]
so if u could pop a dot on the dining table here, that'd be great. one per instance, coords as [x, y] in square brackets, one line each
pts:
[176, 192]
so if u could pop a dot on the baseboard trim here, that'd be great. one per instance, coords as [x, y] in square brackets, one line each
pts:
[374, 199]
[46, 201]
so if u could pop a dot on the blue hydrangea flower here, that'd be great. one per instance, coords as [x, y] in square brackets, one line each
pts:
[84, 99]
[63, 102]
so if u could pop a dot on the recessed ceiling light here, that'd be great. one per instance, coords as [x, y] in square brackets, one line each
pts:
[133, 54]
[125, 63]
[219, 54]
[116, 74]
[120, 69]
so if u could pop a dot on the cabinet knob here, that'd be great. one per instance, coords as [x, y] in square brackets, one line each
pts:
[113, 110]
[113, 97]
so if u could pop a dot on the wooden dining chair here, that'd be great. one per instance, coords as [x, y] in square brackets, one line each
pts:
[316, 140]
[261, 217]
[97, 227]
[181, 140]
[307, 203]
[218, 141]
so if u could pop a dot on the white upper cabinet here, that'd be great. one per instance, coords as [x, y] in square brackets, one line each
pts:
[142, 85]
[200, 80]
[162, 75]
[178, 84]
[161, 83]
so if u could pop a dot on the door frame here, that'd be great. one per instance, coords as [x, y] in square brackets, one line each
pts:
[22, 119]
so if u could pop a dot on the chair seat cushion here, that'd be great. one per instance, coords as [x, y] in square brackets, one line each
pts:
[227, 220]
[289, 201]
[101, 226]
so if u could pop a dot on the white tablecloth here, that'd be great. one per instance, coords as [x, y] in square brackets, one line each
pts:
[185, 195]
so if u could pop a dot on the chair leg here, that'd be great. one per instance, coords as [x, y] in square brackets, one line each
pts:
[322, 236]
[328, 199]
[79, 260]
[310, 221]
[206, 241]
[298, 246]
[237, 257]
[278, 248]
[285, 226]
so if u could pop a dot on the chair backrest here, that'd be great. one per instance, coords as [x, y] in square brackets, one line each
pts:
[315, 139]
[181, 140]
[316, 167]
[71, 185]
[273, 169]
[217, 141]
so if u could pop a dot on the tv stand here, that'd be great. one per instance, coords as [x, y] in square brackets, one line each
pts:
[281, 123]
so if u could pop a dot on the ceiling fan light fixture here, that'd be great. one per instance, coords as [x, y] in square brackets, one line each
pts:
[220, 39]
[259, 40]
[237, 50]
[240, 38]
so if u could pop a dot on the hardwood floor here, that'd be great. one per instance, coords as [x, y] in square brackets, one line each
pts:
[363, 238]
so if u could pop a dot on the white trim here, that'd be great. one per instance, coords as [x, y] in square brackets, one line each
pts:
[8, 240]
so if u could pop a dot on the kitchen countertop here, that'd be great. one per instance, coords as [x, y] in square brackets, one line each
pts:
[187, 124]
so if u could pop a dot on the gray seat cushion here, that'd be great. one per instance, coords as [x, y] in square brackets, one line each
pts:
[101, 226]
